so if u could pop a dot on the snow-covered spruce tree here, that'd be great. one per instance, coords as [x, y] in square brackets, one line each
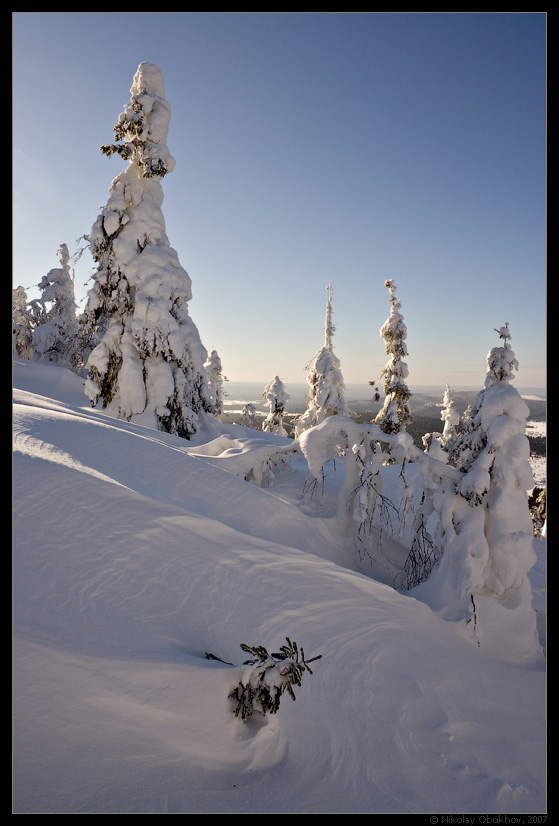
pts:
[485, 528]
[326, 383]
[22, 325]
[57, 337]
[147, 360]
[248, 416]
[437, 444]
[277, 397]
[395, 414]
[215, 377]
[450, 417]
[472, 439]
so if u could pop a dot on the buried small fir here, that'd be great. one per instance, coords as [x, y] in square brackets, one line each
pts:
[267, 676]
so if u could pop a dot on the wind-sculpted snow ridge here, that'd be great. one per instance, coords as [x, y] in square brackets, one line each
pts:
[167, 468]
[120, 589]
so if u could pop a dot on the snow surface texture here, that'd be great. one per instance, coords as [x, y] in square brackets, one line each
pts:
[136, 552]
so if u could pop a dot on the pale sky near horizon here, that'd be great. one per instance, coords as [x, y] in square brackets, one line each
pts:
[310, 148]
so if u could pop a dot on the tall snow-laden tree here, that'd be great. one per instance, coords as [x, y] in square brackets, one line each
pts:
[277, 397]
[485, 523]
[326, 383]
[214, 373]
[146, 359]
[22, 325]
[395, 414]
[56, 337]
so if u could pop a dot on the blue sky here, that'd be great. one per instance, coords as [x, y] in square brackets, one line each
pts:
[310, 148]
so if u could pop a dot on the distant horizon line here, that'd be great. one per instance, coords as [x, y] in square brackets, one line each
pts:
[473, 387]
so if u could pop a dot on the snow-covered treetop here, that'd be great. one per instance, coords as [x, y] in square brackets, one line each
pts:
[329, 328]
[501, 361]
[144, 124]
[394, 331]
[504, 332]
[148, 80]
[136, 194]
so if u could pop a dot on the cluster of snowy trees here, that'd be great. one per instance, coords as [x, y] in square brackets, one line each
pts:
[46, 327]
[142, 359]
[135, 344]
[471, 533]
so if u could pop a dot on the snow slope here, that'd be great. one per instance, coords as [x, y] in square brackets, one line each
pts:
[136, 552]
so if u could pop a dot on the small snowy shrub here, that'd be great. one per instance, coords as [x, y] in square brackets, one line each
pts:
[267, 676]
[248, 416]
[277, 397]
